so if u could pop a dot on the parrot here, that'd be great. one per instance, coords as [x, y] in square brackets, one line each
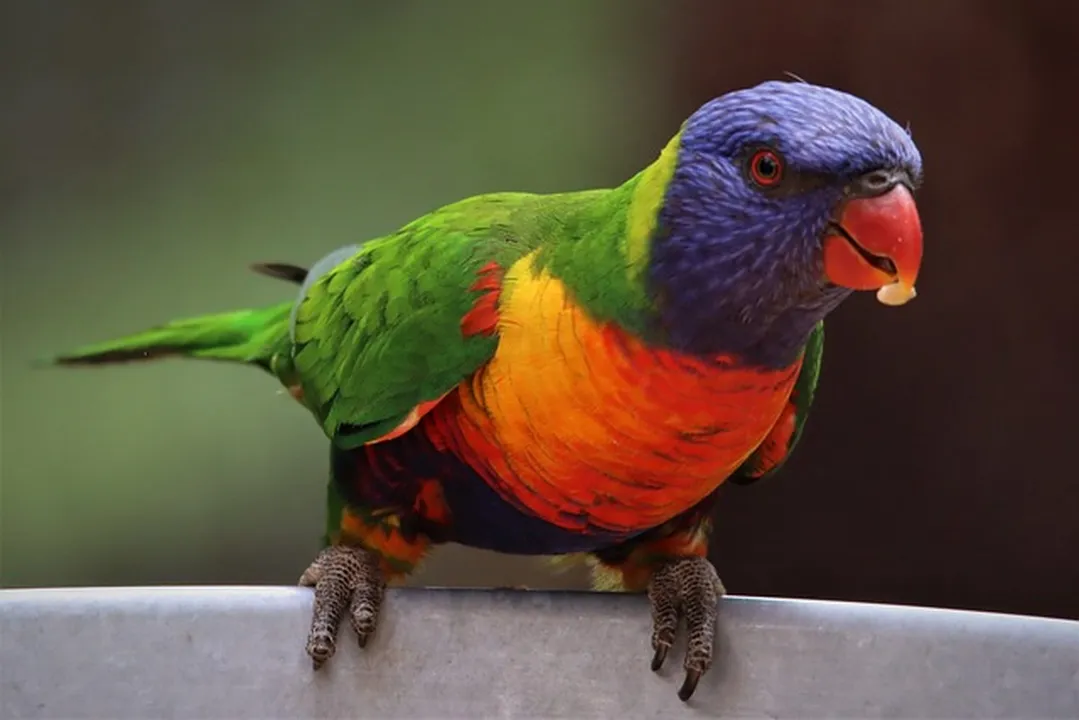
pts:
[576, 374]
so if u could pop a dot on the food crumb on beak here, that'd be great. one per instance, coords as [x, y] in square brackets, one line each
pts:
[896, 293]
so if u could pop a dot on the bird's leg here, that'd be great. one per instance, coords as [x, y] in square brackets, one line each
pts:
[369, 550]
[670, 563]
[685, 589]
[344, 577]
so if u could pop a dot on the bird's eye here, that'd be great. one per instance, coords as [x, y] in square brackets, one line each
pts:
[766, 168]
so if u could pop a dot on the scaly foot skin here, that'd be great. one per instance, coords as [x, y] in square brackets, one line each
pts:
[343, 577]
[689, 588]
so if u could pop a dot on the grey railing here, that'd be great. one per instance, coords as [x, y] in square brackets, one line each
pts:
[213, 652]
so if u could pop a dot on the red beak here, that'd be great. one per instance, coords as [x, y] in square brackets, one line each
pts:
[876, 242]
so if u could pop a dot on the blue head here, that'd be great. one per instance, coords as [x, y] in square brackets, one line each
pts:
[784, 198]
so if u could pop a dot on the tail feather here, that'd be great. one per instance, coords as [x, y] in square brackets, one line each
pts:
[242, 336]
[253, 337]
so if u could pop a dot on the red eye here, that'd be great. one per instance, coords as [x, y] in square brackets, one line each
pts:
[766, 168]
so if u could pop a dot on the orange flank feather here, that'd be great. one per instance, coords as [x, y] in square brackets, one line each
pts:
[430, 503]
[637, 569]
[401, 552]
[775, 447]
[584, 426]
[381, 533]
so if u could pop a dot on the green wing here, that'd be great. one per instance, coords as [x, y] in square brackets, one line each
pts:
[381, 333]
[805, 387]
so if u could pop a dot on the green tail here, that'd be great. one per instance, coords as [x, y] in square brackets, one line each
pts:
[252, 337]
[245, 336]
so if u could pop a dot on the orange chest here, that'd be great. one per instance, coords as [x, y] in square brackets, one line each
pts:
[584, 425]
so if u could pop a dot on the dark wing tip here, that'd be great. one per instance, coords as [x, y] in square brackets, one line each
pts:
[281, 271]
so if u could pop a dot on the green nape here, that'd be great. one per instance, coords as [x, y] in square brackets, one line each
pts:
[604, 241]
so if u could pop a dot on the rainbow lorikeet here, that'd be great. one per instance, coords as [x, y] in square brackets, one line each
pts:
[576, 374]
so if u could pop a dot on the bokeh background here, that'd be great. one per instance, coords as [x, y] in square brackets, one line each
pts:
[151, 150]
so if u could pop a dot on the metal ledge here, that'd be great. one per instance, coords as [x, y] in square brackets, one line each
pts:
[224, 652]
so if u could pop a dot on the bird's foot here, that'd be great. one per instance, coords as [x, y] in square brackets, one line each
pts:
[344, 578]
[687, 588]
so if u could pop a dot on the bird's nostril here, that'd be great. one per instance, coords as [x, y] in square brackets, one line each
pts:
[874, 183]
[878, 180]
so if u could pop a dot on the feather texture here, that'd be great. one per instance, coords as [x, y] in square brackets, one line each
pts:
[588, 428]
[576, 372]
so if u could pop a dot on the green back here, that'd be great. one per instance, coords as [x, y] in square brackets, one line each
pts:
[381, 332]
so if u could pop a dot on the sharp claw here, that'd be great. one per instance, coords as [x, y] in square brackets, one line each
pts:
[690, 685]
[659, 658]
[318, 659]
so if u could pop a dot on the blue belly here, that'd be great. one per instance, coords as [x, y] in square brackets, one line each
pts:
[482, 519]
[388, 474]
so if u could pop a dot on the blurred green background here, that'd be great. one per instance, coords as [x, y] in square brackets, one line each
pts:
[153, 149]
